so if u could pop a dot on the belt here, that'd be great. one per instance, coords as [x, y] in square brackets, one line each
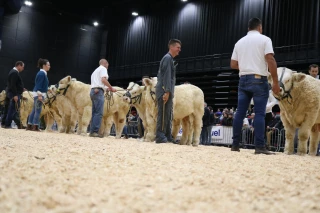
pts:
[96, 88]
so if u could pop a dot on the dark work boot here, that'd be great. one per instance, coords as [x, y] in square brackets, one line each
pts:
[263, 150]
[235, 148]
[29, 127]
[35, 128]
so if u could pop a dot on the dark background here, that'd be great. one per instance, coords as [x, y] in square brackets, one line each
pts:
[134, 45]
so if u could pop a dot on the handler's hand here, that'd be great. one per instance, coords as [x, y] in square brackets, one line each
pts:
[165, 97]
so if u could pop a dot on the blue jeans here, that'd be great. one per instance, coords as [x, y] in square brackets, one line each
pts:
[34, 117]
[125, 130]
[97, 110]
[13, 111]
[256, 88]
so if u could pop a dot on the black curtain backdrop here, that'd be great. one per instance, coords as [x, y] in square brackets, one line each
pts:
[210, 27]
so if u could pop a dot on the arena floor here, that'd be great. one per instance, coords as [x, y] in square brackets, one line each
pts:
[52, 172]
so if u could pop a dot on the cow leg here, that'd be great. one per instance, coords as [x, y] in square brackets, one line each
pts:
[175, 128]
[79, 129]
[197, 125]
[73, 121]
[145, 125]
[303, 140]
[49, 122]
[85, 120]
[66, 123]
[151, 128]
[314, 141]
[116, 125]
[190, 133]
[185, 131]
[120, 124]
[107, 126]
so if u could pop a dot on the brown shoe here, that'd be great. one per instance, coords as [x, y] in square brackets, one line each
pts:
[35, 128]
[29, 127]
[21, 127]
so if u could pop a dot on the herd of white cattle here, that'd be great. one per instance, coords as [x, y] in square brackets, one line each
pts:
[69, 104]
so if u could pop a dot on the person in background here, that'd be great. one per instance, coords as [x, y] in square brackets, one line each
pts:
[14, 92]
[314, 70]
[211, 123]
[205, 124]
[39, 94]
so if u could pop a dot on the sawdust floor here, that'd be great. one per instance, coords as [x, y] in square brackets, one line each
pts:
[52, 172]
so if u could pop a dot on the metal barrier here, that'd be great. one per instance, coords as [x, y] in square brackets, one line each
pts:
[275, 138]
[131, 127]
[222, 135]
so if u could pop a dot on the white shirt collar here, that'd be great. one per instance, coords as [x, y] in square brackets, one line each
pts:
[253, 32]
[15, 69]
[43, 71]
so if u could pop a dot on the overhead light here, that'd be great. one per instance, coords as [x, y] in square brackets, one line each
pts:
[135, 14]
[28, 3]
[95, 23]
[184, 0]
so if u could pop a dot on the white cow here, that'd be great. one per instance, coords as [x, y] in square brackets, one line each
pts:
[114, 107]
[62, 106]
[299, 108]
[26, 106]
[188, 108]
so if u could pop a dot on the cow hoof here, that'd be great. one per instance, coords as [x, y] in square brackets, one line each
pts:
[301, 153]
[312, 154]
[288, 152]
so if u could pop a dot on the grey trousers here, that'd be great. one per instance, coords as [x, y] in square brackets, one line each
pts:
[165, 134]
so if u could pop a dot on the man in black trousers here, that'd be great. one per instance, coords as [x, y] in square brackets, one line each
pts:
[14, 91]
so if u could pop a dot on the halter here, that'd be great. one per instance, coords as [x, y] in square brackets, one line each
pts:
[287, 93]
[65, 89]
[135, 98]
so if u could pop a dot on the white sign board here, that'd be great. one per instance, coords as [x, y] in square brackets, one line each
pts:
[217, 132]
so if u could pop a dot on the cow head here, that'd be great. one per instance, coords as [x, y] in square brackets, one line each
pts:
[2, 97]
[52, 91]
[286, 78]
[150, 84]
[65, 83]
[133, 91]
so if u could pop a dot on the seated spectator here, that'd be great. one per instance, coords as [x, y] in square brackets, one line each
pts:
[227, 119]
[131, 120]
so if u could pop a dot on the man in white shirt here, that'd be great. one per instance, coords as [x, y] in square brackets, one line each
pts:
[99, 83]
[252, 56]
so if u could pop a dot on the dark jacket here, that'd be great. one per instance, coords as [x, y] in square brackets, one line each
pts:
[206, 117]
[14, 84]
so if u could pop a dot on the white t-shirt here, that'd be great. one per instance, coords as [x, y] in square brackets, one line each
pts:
[250, 53]
[97, 75]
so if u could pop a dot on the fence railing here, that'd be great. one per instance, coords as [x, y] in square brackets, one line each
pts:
[222, 135]
[285, 55]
